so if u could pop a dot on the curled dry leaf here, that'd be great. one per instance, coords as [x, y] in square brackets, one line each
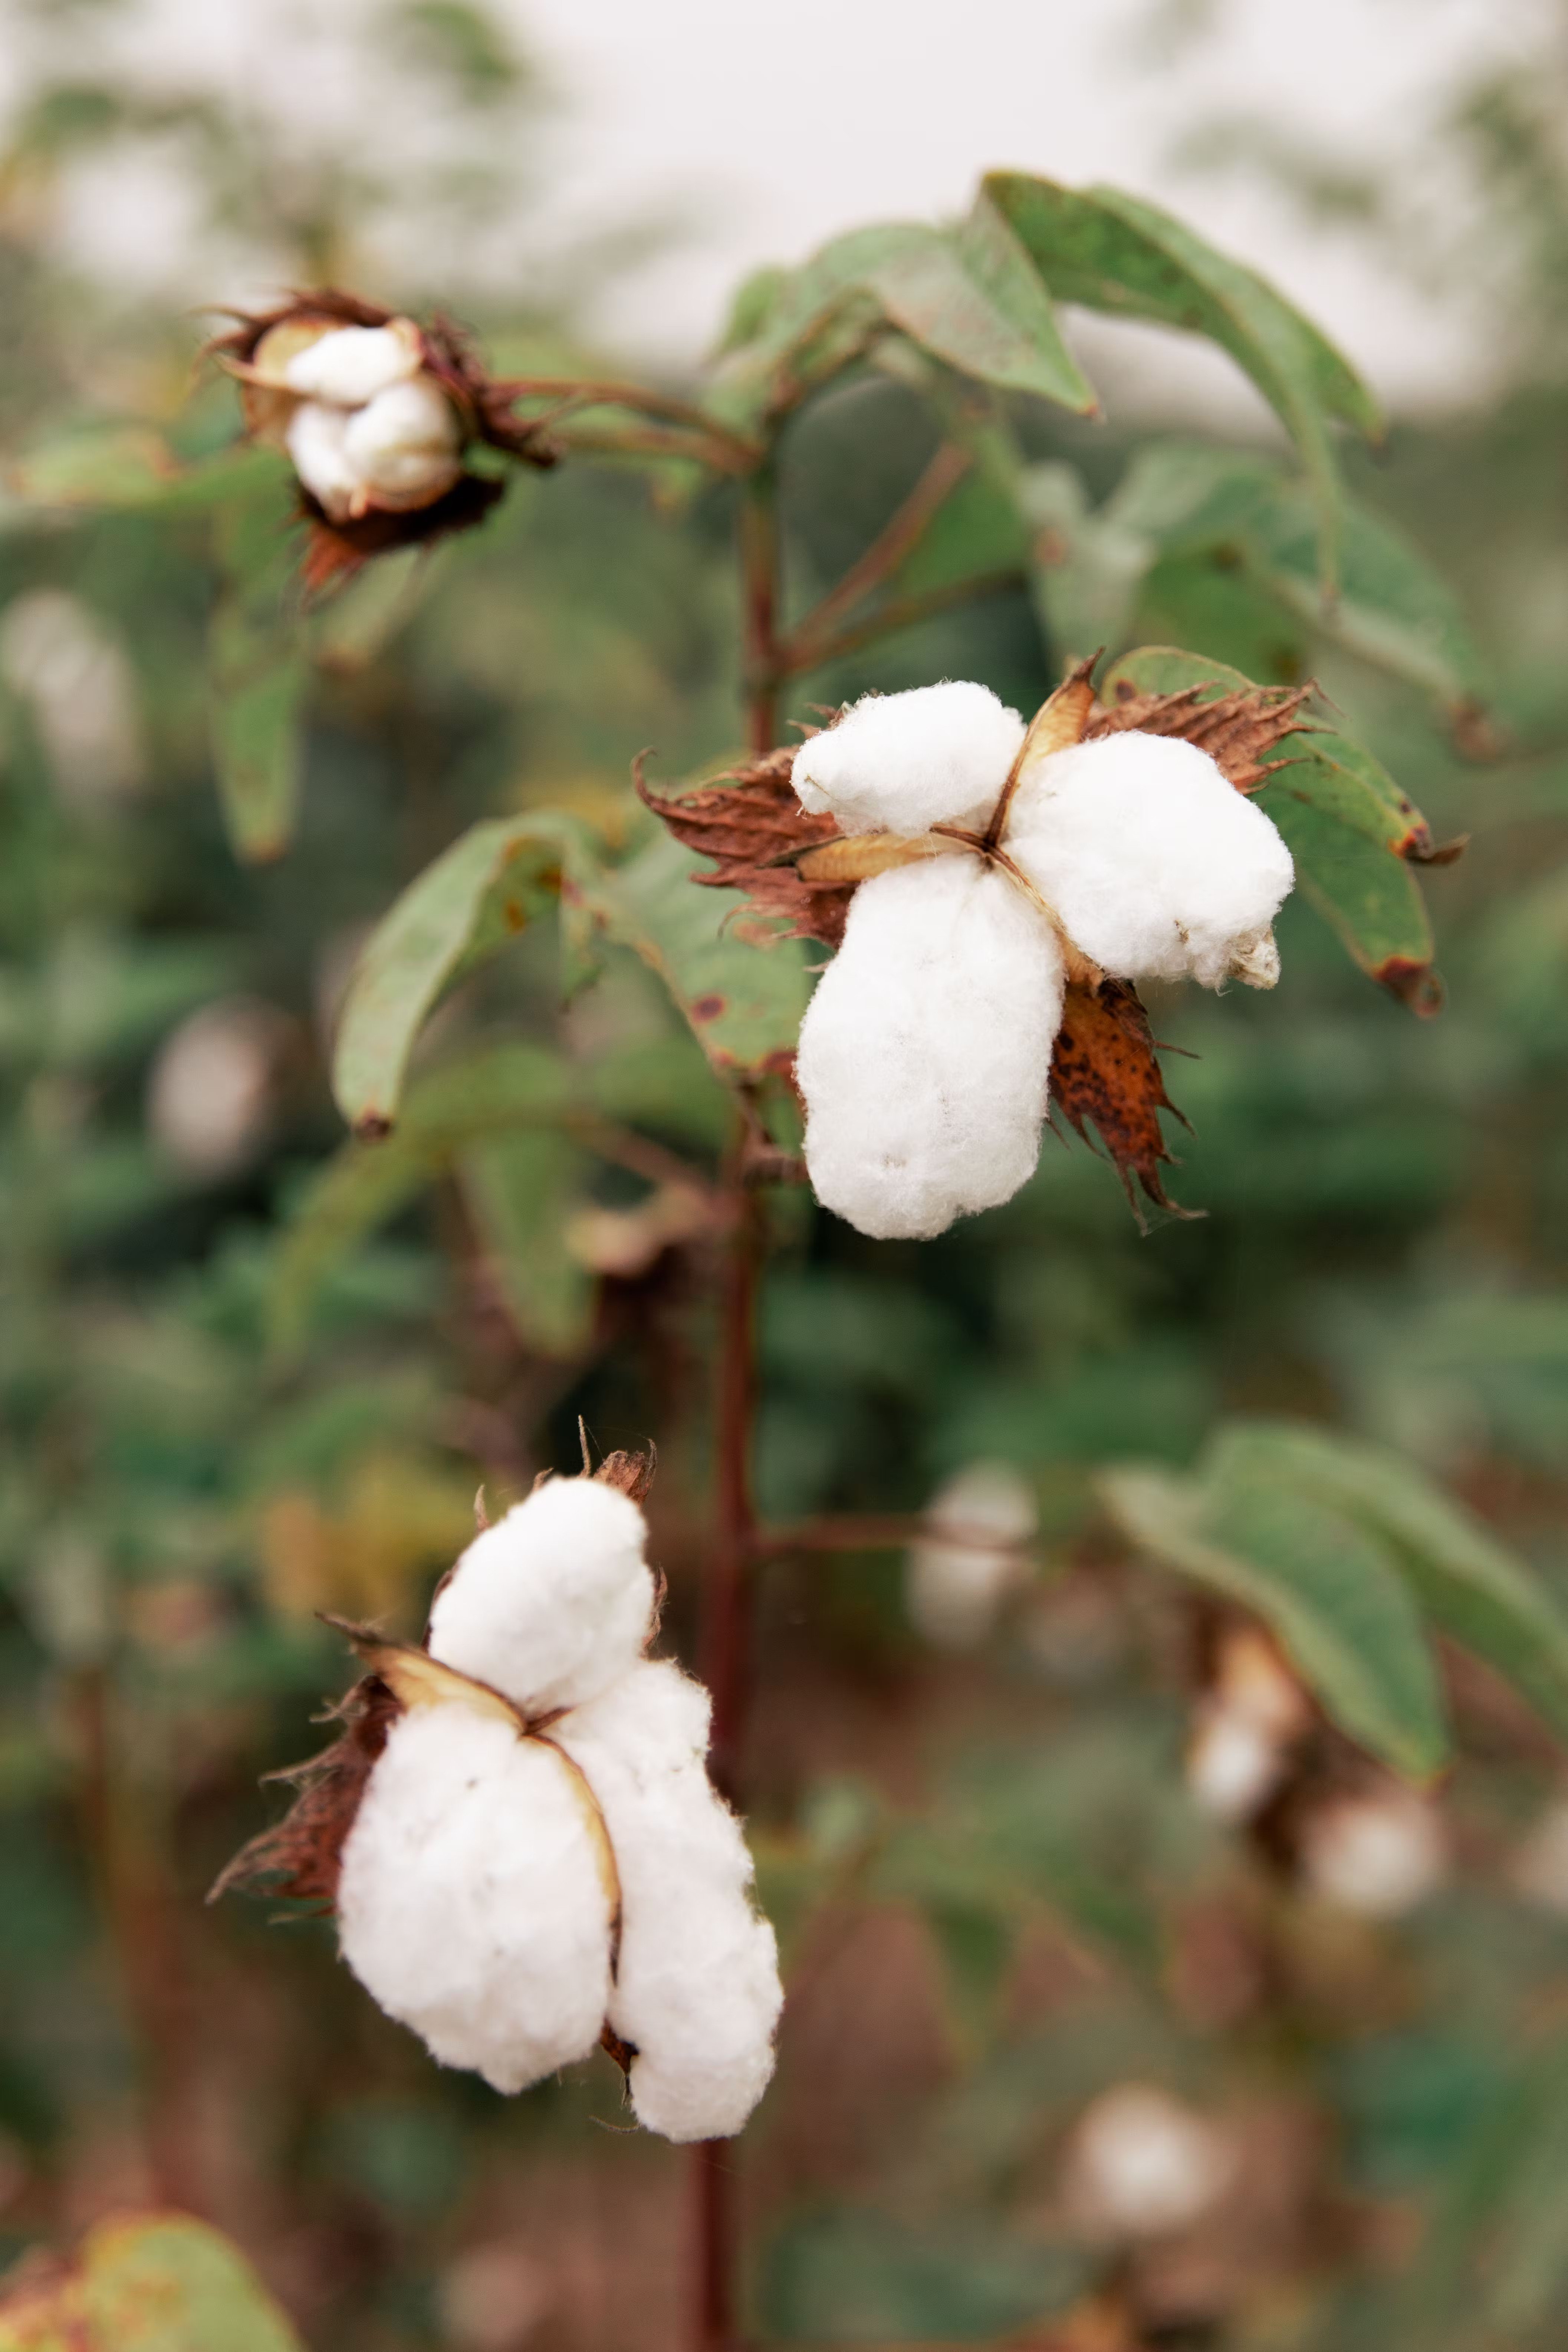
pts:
[257, 350]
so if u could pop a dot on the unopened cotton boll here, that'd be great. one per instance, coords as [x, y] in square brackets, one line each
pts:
[1380, 1855]
[472, 1904]
[554, 1601]
[697, 1987]
[403, 446]
[350, 365]
[1159, 868]
[316, 439]
[925, 1053]
[1141, 2164]
[962, 1570]
[900, 763]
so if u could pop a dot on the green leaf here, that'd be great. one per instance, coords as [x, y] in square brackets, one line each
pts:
[520, 1189]
[257, 672]
[1115, 253]
[1332, 1592]
[977, 529]
[856, 2277]
[159, 2283]
[1473, 1587]
[478, 895]
[1086, 567]
[745, 1003]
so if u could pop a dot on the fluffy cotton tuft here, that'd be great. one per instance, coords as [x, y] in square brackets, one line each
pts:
[404, 445]
[1141, 2164]
[471, 1903]
[900, 763]
[554, 1601]
[697, 1985]
[925, 1052]
[352, 364]
[316, 437]
[960, 1573]
[1159, 868]
[1379, 1854]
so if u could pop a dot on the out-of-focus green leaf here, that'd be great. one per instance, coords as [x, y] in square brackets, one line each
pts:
[977, 529]
[745, 1003]
[154, 2282]
[257, 672]
[1115, 253]
[853, 2277]
[1470, 1585]
[520, 1188]
[477, 896]
[1332, 1592]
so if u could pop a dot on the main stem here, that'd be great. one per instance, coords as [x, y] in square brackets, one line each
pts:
[727, 1626]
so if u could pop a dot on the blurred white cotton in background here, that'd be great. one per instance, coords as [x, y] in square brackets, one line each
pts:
[61, 660]
[211, 1096]
[1141, 2164]
[958, 1575]
[1380, 1855]
[1249, 1719]
[1539, 1871]
[493, 2298]
[900, 763]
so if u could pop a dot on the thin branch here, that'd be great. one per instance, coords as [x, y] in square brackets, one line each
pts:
[573, 393]
[764, 666]
[654, 441]
[897, 539]
[902, 612]
[643, 1157]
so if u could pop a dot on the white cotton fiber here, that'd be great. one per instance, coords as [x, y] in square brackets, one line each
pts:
[554, 1601]
[962, 1570]
[352, 364]
[403, 445]
[1158, 867]
[900, 763]
[471, 1905]
[315, 440]
[697, 1987]
[925, 1053]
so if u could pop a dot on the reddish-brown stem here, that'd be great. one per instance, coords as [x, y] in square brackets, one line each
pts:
[652, 441]
[870, 1531]
[570, 391]
[899, 539]
[898, 612]
[763, 664]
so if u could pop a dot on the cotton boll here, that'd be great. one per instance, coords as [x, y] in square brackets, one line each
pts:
[1540, 1868]
[1234, 1766]
[925, 1052]
[471, 1905]
[697, 1987]
[554, 1601]
[1380, 1855]
[403, 446]
[352, 364]
[900, 763]
[1141, 2164]
[212, 1093]
[959, 1573]
[316, 437]
[1158, 867]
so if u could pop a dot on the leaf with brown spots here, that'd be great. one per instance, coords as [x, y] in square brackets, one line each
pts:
[752, 827]
[1238, 731]
[1104, 1069]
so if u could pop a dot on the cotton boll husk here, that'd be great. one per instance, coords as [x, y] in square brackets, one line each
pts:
[900, 763]
[352, 364]
[403, 445]
[925, 1052]
[955, 1583]
[554, 1601]
[697, 1986]
[471, 1905]
[315, 438]
[1159, 868]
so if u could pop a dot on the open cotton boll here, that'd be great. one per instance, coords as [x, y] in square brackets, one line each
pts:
[471, 1905]
[961, 1571]
[403, 445]
[696, 1984]
[900, 763]
[352, 364]
[554, 1601]
[1380, 1855]
[1159, 867]
[925, 1053]
[315, 439]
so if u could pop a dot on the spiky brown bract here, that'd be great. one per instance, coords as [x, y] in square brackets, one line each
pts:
[1237, 730]
[752, 826]
[337, 550]
[1105, 1071]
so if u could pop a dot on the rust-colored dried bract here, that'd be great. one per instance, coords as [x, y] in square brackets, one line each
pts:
[752, 826]
[1104, 1070]
[301, 1855]
[1237, 730]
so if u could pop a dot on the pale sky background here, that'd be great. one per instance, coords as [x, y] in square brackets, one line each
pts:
[768, 127]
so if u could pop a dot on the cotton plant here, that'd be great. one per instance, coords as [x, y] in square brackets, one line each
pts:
[519, 1837]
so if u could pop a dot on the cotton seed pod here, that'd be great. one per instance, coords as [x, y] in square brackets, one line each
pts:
[1140, 2163]
[404, 446]
[1380, 1855]
[959, 1574]
[925, 1055]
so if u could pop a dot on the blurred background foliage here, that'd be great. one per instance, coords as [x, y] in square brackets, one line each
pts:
[1068, 2058]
